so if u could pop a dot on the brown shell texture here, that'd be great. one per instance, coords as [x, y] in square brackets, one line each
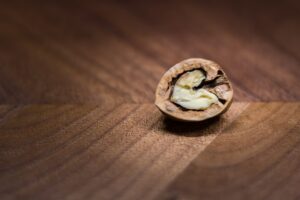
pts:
[216, 82]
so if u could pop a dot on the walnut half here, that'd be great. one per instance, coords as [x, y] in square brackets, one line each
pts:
[194, 90]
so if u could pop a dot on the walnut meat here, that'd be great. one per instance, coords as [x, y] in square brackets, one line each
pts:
[194, 90]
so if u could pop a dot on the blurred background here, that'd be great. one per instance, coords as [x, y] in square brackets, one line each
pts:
[95, 51]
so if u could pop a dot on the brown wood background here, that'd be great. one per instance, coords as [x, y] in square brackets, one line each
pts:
[77, 82]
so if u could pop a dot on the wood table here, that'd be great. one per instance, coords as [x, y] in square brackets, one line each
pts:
[77, 82]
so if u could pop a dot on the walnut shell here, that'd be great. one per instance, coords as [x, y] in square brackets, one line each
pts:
[215, 82]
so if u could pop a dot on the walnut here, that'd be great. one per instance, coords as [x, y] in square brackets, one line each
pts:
[194, 90]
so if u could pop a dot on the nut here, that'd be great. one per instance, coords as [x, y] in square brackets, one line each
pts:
[186, 95]
[194, 90]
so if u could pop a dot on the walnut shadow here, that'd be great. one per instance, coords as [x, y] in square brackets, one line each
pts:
[191, 129]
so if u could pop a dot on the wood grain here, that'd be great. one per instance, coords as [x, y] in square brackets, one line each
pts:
[92, 152]
[77, 82]
[119, 152]
[110, 51]
[256, 157]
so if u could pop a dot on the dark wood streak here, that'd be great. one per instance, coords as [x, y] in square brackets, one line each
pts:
[50, 152]
[79, 152]
[35, 123]
[95, 63]
[56, 149]
[74, 65]
[6, 112]
[99, 20]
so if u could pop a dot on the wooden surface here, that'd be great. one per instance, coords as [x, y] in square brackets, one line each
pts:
[77, 83]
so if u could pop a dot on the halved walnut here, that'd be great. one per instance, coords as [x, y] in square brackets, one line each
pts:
[194, 90]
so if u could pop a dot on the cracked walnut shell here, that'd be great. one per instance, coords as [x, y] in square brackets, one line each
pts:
[194, 90]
